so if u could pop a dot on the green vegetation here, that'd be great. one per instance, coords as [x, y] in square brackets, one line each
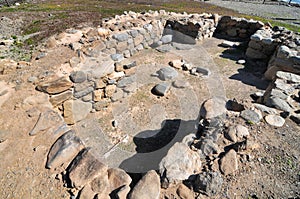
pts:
[273, 23]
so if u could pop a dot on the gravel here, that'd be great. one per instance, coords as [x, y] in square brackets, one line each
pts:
[263, 10]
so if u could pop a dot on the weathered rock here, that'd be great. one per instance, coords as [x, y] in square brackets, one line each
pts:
[279, 104]
[161, 89]
[241, 131]
[87, 192]
[278, 93]
[98, 106]
[203, 71]
[234, 105]
[64, 150]
[57, 100]
[179, 163]
[164, 48]
[129, 65]
[290, 77]
[84, 168]
[88, 98]
[76, 110]
[208, 147]
[116, 75]
[83, 93]
[117, 95]
[123, 192]
[231, 134]
[55, 86]
[126, 81]
[167, 73]
[213, 107]
[184, 192]
[121, 37]
[265, 109]
[177, 63]
[101, 184]
[78, 76]
[283, 52]
[275, 120]
[48, 120]
[99, 84]
[180, 84]
[167, 39]
[209, 183]
[98, 95]
[229, 163]
[83, 86]
[184, 46]
[118, 178]
[228, 44]
[237, 132]
[251, 116]
[110, 90]
[117, 57]
[148, 187]
[131, 88]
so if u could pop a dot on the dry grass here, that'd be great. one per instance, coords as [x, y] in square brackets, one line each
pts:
[54, 16]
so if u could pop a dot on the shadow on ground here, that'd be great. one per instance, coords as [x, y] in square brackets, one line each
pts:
[153, 145]
[251, 79]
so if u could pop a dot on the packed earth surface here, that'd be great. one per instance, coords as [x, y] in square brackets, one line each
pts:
[210, 115]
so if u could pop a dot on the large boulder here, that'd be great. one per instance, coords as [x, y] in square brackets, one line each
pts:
[213, 107]
[148, 187]
[179, 163]
[84, 168]
[64, 150]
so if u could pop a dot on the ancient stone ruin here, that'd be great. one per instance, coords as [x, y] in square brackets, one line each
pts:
[102, 74]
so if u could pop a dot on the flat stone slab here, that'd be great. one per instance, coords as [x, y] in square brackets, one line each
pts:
[251, 116]
[64, 150]
[84, 168]
[161, 89]
[167, 73]
[49, 121]
[55, 86]
[275, 120]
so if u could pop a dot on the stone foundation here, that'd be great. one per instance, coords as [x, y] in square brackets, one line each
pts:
[102, 75]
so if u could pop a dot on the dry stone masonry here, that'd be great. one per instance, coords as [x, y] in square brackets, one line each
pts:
[102, 74]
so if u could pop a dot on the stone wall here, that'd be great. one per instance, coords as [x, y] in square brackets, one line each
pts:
[101, 73]
[283, 94]
[237, 28]
[278, 48]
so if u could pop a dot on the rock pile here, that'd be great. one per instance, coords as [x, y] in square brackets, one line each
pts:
[216, 151]
[283, 94]
[277, 48]
[237, 28]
